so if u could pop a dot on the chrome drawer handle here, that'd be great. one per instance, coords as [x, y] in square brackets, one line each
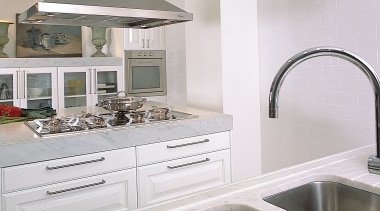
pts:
[187, 144]
[189, 164]
[75, 188]
[75, 164]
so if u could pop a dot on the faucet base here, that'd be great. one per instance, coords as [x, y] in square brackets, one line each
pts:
[374, 164]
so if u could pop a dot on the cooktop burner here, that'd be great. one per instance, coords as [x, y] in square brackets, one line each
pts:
[91, 122]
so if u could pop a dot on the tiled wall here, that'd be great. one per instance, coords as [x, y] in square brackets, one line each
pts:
[326, 104]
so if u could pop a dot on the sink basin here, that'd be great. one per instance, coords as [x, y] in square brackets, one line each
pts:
[325, 196]
[231, 207]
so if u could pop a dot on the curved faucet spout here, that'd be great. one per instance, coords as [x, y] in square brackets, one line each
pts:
[374, 161]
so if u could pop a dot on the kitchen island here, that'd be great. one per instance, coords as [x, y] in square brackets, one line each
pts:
[349, 168]
[20, 145]
[118, 167]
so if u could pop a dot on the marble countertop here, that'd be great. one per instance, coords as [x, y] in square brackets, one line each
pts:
[348, 168]
[20, 145]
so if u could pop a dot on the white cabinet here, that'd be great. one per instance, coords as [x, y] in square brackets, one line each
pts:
[42, 173]
[9, 86]
[167, 180]
[84, 86]
[181, 167]
[137, 39]
[119, 180]
[59, 87]
[113, 191]
[98, 181]
[29, 87]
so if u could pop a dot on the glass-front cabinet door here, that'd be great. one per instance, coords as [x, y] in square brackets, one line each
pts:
[74, 86]
[8, 86]
[29, 87]
[38, 87]
[107, 82]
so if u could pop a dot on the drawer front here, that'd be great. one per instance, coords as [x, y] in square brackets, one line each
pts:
[67, 168]
[112, 191]
[164, 151]
[167, 180]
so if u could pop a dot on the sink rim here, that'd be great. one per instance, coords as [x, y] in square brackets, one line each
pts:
[325, 195]
[285, 186]
[220, 206]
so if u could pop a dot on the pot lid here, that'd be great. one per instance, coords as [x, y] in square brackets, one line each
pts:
[121, 96]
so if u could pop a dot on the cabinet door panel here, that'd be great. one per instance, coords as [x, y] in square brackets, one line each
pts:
[171, 179]
[138, 39]
[118, 192]
[134, 38]
[39, 87]
[155, 38]
[107, 81]
[74, 86]
[9, 86]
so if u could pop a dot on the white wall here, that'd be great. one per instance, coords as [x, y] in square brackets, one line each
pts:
[203, 56]
[241, 84]
[326, 105]
[175, 36]
[223, 74]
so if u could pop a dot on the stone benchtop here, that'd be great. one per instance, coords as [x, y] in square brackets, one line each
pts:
[349, 168]
[20, 145]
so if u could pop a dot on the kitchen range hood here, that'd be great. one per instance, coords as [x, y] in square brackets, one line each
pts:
[105, 13]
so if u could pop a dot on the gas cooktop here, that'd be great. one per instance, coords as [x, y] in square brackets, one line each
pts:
[86, 122]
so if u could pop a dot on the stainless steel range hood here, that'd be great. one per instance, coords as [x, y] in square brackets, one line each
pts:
[108, 13]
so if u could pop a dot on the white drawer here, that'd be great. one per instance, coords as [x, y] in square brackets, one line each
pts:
[153, 153]
[112, 191]
[29, 175]
[167, 180]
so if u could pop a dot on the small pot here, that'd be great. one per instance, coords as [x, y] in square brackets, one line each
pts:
[122, 103]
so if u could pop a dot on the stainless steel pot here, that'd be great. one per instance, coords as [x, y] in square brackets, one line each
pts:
[122, 103]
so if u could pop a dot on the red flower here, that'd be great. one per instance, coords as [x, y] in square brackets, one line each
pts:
[9, 111]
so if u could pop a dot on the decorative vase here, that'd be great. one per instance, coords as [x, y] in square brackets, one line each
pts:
[98, 40]
[4, 37]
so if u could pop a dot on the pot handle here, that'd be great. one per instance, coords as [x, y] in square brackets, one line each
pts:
[101, 104]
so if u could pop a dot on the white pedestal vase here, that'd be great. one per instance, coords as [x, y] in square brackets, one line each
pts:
[4, 37]
[98, 40]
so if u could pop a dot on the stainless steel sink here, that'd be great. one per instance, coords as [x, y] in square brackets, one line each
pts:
[231, 207]
[325, 196]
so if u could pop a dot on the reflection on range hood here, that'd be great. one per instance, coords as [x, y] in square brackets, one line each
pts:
[105, 13]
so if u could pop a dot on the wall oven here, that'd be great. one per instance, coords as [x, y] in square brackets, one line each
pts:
[145, 72]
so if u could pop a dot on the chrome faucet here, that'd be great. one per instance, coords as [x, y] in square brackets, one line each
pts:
[374, 160]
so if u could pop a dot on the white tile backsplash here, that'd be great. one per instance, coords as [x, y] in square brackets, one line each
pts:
[358, 113]
[342, 98]
[348, 17]
[349, 5]
[326, 104]
[296, 11]
[367, 15]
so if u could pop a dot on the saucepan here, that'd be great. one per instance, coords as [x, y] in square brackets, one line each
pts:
[121, 102]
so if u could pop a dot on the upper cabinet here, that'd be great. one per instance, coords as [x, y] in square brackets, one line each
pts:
[8, 86]
[29, 87]
[83, 86]
[59, 82]
[138, 39]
